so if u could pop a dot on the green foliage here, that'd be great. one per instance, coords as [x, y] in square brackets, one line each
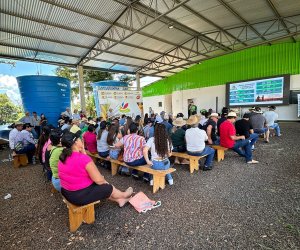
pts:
[9, 112]
[127, 78]
[89, 77]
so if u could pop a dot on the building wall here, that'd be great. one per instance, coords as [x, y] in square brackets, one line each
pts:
[205, 98]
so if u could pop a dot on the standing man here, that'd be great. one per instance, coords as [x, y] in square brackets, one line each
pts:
[36, 124]
[192, 108]
[29, 119]
[271, 116]
[229, 139]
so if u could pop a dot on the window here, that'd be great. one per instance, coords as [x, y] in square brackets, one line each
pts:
[159, 104]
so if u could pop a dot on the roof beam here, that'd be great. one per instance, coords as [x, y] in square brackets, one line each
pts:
[80, 46]
[242, 19]
[38, 50]
[130, 29]
[212, 23]
[275, 11]
[167, 20]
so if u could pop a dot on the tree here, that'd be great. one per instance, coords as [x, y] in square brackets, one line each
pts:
[89, 77]
[9, 112]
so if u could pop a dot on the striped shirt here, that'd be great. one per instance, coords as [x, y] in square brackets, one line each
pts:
[133, 147]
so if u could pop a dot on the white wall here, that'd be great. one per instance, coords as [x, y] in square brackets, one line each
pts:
[205, 98]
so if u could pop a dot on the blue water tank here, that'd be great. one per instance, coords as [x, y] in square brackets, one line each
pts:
[49, 95]
[106, 83]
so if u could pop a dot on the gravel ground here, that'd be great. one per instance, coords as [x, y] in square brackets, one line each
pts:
[234, 206]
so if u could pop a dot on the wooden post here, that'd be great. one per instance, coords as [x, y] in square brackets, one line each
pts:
[194, 164]
[114, 168]
[81, 88]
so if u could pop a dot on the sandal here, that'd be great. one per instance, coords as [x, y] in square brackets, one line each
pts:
[155, 205]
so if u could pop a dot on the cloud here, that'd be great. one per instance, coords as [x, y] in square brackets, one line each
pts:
[9, 85]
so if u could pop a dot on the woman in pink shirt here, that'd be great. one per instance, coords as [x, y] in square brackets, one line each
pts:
[90, 139]
[81, 181]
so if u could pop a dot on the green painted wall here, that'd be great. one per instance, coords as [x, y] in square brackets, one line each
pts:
[251, 63]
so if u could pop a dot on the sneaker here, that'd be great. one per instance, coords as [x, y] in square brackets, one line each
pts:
[171, 182]
[151, 183]
[252, 162]
[207, 168]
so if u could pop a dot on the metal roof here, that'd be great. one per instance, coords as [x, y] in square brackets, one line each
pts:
[152, 37]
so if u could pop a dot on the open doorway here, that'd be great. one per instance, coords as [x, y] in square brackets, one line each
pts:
[192, 108]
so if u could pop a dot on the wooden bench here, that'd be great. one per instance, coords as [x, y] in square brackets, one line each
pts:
[220, 151]
[20, 160]
[194, 160]
[158, 175]
[79, 214]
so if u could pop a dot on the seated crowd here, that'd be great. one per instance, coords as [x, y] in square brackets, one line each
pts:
[140, 141]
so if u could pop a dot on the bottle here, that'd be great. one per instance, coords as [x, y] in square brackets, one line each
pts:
[33, 160]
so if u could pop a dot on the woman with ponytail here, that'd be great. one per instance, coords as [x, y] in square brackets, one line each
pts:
[102, 146]
[161, 148]
[81, 182]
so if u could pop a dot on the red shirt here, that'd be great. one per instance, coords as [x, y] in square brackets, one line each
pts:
[227, 129]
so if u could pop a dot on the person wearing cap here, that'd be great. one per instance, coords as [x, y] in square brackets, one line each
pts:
[203, 119]
[251, 111]
[229, 139]
[195, 142]
[67, 124]
[81, 182]
[271, 116]
[259, 123]
[192, 108]
[178, 139]
[222, 119]
[25, 138]
[18, 126]
[74, 127]
[243, 127]
[29, 119]
[210, 129]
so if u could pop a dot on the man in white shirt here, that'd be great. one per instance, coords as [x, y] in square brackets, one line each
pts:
[271, 116]
[75, 115]
[13, 134]
[195, 142]
[67, 113]
[36, 125]
[27, 118]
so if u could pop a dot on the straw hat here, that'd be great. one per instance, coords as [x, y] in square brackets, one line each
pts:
[179, 122]
[233, 114]
[193, 119]
[18, 123]
[92, 122]
[258, 110]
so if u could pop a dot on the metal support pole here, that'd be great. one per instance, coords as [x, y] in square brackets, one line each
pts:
[81, 88]
[138, 82]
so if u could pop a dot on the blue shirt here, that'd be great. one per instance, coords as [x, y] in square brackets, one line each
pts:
[26, 137]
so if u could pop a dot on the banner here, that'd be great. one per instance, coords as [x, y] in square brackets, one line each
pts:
[116, 102]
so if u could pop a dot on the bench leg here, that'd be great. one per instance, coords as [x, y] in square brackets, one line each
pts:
[194, 165]
[158, 182]
[220, 155]
[114, 168]
[75, 219]
[89, 215]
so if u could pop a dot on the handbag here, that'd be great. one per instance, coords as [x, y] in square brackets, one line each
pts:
[142, 203]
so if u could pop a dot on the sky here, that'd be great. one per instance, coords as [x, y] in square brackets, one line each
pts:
[8, 74]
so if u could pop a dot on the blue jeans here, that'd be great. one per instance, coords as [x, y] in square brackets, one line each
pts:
[138, 162]
[179, 148]
[34, 133]
[253, 139]
[113, 154]
[104, 154]
[162, 165]
[276, 127]
[246, 149]
[29, 150]
[260, 130]
[210, 152]
[56, 184]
